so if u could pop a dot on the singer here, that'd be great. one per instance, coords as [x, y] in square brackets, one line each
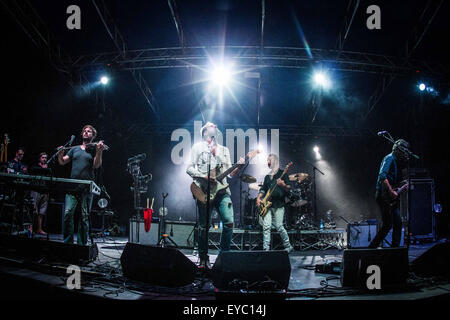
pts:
[198, 170]
[84, 160]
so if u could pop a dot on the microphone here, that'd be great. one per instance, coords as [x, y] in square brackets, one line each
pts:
[381, 133]
[139, 157]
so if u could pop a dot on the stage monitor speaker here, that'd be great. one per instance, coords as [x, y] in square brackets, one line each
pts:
[234, 268]
[156, 265]
[393, 264]
[433, 262]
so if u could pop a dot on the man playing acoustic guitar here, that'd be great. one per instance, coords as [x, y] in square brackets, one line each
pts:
[197, 169]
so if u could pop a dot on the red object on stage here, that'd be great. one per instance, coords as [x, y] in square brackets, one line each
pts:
[148, 216]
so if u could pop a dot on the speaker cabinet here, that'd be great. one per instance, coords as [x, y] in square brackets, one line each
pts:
[393, 264]
[359, 235]
[182, 233]
[234, 267]
[433, 262]
[158, 266]
[421, 217]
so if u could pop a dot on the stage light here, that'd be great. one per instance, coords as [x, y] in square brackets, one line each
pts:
[221, 76]
[322, 80]
[422, 86]
[104, 80]
[316, 151]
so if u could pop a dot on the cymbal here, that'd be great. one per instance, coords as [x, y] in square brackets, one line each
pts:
[248, 178]
[255, 186]
[298, 176]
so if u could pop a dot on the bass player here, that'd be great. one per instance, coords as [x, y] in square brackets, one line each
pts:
[276, 210]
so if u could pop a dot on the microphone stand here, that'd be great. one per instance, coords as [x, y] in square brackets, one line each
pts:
[408, 154]
[208, 194]
[314, 187]
[240, 193]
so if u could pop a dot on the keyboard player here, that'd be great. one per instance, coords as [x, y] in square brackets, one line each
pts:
[85, 159]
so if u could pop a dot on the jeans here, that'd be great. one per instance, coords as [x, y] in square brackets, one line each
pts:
[71, 202]
[391, 219]
[277, 214]
[222, 203]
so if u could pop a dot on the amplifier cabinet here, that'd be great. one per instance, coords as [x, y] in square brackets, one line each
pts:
[181, 232]
[359, 235]
[421, 203]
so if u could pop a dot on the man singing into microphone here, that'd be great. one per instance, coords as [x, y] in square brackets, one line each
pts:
[85, 159]
[388, 176]
[197, 169]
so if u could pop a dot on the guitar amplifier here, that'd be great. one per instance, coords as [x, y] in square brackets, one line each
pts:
[182, 233]
[421, 216]
[359, 235]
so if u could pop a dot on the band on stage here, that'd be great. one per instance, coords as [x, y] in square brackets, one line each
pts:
[210, 166]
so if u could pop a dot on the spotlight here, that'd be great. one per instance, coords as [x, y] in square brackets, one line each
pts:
[221, 76]
[104, 80]
[321, 79]
[316, 149]
[422, 86]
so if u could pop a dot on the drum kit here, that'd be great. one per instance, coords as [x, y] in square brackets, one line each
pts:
[299, 209]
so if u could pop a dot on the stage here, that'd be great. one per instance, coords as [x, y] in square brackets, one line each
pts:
[40, 278]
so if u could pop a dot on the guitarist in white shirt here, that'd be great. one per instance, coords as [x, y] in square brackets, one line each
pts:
[197, 169]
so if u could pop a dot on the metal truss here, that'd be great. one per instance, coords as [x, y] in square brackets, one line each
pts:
[254, 57]
[427, 16]
[284, 130]
[34, 27]
[176, 20]
[348, 20]
[121, 45]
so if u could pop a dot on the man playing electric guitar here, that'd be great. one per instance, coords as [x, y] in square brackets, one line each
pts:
[276, 210]
[388, 177]
[197, 169]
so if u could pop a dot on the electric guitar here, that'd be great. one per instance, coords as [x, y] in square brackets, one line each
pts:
[386, 195]
[4, 148]
[219, 183]
[263, 208]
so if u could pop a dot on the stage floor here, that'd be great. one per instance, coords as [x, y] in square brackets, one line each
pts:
[104, 279]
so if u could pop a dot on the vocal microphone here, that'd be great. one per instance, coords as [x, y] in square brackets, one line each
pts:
[381, 133]
[139, 157]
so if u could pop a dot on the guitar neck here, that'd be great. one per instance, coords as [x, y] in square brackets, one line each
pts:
[229, 170]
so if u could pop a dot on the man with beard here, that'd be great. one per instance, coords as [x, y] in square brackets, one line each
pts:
[276, 210]
[388, 177]
[16, 165]
[85, 158]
